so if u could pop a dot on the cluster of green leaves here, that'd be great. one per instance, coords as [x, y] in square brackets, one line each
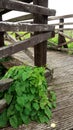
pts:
[27, 98]
[53, 40]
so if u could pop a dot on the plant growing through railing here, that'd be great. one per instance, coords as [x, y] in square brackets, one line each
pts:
[28, 98]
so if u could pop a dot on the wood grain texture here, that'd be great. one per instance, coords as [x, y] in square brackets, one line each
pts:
[4, 84]
[61, 38]
[21, 18]
[2, 105]
[40, 49]
[27, 27]
[1, 35]
[59, 17]
[25, 7]
[19, 46]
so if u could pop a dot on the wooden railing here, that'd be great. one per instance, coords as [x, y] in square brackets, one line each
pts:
[42, 31]
[60, 28]
[21, 23]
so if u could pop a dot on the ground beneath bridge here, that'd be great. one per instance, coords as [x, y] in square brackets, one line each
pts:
[62, 84]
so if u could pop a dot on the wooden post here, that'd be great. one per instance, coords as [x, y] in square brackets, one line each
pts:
[40, 50]
[61, 39]
[1, 35]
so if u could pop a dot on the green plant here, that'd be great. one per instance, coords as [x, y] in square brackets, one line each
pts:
[53, 40]
[27, 98]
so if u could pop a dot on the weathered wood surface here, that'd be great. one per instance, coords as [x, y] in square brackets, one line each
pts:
[4, 84]
[62, 84]
[1, 35]
[27, 27]
[65, 23]
[12, 62]
[25, 7]
[59, 17]
[68, 29]
[61, 38]
[30, 16]
[11, 49]
[11, 40]
[40, 50]
[21, 18]
[3, 104]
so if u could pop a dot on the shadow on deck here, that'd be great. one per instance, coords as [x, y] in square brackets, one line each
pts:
[62, 84]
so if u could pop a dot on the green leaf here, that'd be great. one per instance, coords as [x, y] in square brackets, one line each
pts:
[27, 111]
[36, 106]
[18, 90]
[45, 119]
[10, 110]
[32, 89]
[42, 104]
[42, 120]
[53, 95]
[3, 119]
[41, 92]
[28, 105]
[8, 98]
[50, 104]
[18, 107]
[25, 76]
[13, 121]
[48, 112]
[30, 97]
[54, 104]
[26, 119]
[12, 88]
[23, 86]
[20, 101]
[33, 113]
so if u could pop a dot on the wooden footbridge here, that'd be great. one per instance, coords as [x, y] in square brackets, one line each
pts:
[62, 63]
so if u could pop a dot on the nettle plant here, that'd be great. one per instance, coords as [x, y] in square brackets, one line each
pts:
[28, 98]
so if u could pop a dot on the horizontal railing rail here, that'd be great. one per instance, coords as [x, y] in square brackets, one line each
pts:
[34, 40]
[25, 7]
[21, 26]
